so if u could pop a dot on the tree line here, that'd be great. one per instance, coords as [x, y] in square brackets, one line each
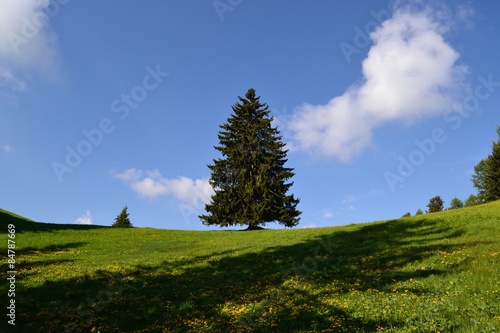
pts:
[486, 179]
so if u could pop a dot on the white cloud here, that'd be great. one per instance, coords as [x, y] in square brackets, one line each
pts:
[150, 187]
[6, 148]
[410, 72]
[84, 219]
[191, 194]
[26, 42]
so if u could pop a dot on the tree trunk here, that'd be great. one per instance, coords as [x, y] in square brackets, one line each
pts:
[253, 227]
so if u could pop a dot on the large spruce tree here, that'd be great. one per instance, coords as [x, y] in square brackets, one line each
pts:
[250, 181]
[487, 174]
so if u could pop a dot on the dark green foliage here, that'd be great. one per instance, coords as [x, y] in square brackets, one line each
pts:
[436, 204]
[419, 212]
[492, 176]
[487, 175]
[250, 180]
[472, 200]
[407, 214]
[478, 180]
[122, 220]
[456, 203]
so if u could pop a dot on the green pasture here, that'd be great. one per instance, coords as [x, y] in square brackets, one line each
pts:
[436, 272]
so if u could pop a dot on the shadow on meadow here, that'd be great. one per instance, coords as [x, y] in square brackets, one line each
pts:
[32, 265]
[49, 248]
[253, 292]
[23, 225]
[38, 253]
[51, 227]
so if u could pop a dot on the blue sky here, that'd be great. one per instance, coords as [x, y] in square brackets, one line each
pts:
[103, 104]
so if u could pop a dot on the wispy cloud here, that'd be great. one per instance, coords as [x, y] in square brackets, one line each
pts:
[84, 219]
[6, 148]
[350, 199]
[191, 194]
[8, 81]
[410, 73]
[351, 207]
[327, 213]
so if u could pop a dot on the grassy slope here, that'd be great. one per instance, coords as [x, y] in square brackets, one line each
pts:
[9, 217]
[434, 272]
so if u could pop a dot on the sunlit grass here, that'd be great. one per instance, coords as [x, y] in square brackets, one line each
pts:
[429, 273]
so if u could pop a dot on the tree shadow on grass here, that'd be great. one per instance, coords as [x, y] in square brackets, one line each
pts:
[24, 268]
[278, 289]
[37, 260]
[50, 248]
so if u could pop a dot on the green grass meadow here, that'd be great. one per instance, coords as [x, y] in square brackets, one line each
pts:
[435, 272]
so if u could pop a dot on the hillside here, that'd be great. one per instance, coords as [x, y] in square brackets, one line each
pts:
[9, 217]
[429, 273]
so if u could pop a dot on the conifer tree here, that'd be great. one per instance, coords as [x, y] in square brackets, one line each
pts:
[250, 179]
[487, 174]
[122, 220]
[492, 178]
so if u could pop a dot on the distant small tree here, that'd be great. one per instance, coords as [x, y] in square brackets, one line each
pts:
[436, 204]
[407, 214]
[456, 203]
[472, 200]
[419, 212]
[122, 220]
